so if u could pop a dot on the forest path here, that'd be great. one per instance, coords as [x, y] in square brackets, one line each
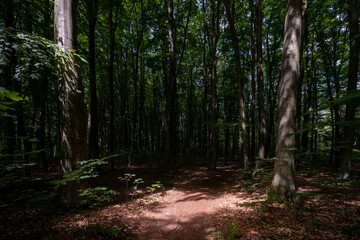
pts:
[194, 206]
[200, 204]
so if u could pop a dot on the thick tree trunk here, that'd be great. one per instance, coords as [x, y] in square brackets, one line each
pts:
[283, 186]
[239, 79]
[71, 98]
[352, 82]
[94, 122]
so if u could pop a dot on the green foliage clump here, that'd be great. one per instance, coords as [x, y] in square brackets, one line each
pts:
[99, 231]
[97, 196]
[92, 196]
[231, 230]
[136, 182]
[156, 186]
[262, 178]
[217, 234]
[86, 170]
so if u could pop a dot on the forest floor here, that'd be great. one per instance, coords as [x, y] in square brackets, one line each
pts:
[196, 203]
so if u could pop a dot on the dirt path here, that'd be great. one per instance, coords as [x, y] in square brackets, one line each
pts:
[193, 208]
[199, 204]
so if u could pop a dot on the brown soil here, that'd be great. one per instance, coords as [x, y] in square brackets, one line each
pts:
[202, 204]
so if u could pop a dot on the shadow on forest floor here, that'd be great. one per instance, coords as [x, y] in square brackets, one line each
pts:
[201, 204]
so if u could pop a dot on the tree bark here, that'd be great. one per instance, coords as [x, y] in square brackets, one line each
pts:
[71, 98]
[239, 79]
[189, 112]
[213, 37]
[253, 88]
[94, 122]
[134, 128]
[283, 186]
[352, 82]
[7, 82]
[170, 103]
[112, 29]
[205, 100]
[260, 80]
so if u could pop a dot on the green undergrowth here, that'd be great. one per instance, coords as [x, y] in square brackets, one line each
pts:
[99, 231]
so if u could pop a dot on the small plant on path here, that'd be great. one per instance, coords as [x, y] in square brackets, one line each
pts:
[127, 179]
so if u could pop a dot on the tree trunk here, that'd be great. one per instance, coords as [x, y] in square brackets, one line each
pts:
[139, 38]
[112, 29]
[205, 100]
[300, 85]
[352, 82]
[260, 80]
[94, 122]
[189, 112]
[253, 89]
[71, 98]
[283, 186]
[213, 37]
[42, 109]
[142, 142]
[7, 82]
[239, 79]
[170, 101]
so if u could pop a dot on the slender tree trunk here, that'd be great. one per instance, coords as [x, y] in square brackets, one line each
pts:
[253, 89]
[28, 146]
[142, 142]
[71, 98]
[213, 116]
[94, 122]
[42, 108]
[308, 101]
[283, 186]
[205, 101]
[112, 30]
[124, 103]
[260, 80]
[7, 82]
[300, 98]
[352, 82]
[239, 79]
[170, 102]
[333, 114]
[189, 112]
[134, 128]
[269, 99]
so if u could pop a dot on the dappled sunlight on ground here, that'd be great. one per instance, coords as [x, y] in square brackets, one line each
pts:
[201, 204]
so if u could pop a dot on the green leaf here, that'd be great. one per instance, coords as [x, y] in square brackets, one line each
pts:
[353, 98]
